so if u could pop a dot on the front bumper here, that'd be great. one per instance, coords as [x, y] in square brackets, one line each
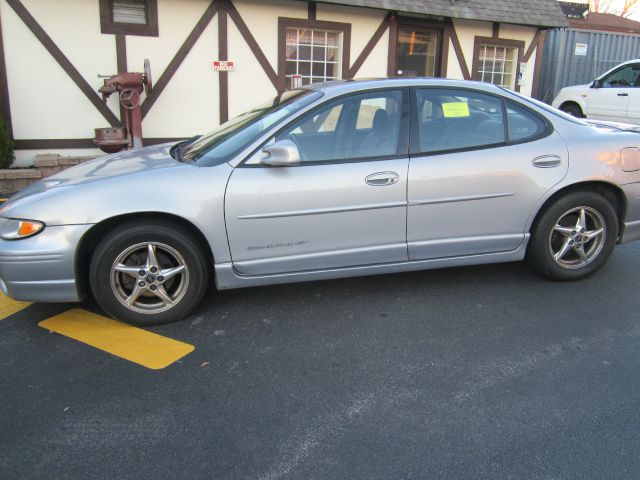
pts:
[42, 268]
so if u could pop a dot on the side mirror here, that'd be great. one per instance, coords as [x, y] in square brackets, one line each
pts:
[282, 153]
[596, 84]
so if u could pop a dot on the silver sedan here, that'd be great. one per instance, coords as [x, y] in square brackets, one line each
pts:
[333, 180]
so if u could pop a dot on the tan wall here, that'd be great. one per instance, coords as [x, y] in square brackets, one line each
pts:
[46, 104]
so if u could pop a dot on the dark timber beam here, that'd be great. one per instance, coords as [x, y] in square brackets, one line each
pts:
[370, 46]
[253, 45]
[459, 53]
[223, 55]
[179, 57]
[63, 61]
[5, 107]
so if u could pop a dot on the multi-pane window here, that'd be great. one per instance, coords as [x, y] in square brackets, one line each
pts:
[497, 65]
[315, 55]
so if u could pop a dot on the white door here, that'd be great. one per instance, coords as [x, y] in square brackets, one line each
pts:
[609, 98]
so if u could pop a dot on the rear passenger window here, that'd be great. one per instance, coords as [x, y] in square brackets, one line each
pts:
[452, 119]
[522, 124]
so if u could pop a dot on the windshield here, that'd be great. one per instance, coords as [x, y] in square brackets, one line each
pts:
[221, 144]
[547, 108]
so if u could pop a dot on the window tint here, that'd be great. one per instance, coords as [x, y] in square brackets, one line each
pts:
[522, 124]
[455, 119]
[625, 77]
[357, 127]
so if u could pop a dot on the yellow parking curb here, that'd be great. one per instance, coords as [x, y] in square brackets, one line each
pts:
[134, 344]
[8, 306]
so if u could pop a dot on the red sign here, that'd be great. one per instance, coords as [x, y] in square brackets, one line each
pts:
[223, 65]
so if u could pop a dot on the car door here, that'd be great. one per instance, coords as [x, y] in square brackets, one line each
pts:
[343, 205]
[475, 176]
[608, 98]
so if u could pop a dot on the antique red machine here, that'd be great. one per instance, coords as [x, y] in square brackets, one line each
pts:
[130, 87]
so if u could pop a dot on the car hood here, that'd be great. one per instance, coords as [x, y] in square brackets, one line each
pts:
[145, 159]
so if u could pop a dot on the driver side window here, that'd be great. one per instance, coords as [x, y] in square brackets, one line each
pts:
[362, 126]
[625, 77]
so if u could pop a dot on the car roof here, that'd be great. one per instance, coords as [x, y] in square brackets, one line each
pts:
[338, 87]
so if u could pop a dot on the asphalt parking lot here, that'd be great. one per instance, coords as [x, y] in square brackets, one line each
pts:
[484, 372]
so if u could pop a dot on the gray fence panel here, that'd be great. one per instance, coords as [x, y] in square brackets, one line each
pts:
[561, 67]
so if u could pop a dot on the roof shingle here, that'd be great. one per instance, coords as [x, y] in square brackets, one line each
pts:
[541, 13]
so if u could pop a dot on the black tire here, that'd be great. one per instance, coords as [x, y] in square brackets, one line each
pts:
[572, 109]
[547, 240]
[129, 245]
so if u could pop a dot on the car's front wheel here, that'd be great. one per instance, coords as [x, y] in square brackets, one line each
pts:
[574, 236]
[148, 273]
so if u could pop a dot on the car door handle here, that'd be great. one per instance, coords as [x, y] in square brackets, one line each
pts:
[381, 179]
[547, 161]
[623, 94]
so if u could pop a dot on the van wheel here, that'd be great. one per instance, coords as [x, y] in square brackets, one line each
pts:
[572, 109]
[148, 273]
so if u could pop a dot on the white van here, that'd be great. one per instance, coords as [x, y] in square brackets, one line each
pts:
[613, 96]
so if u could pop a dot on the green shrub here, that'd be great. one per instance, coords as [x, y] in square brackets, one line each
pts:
[6, 146]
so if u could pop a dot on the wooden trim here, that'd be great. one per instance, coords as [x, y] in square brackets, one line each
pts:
[160, 140]
[501, 42]
[284, 23]
[444, 57]
[537, 69]
[54, 143]
[532, 46]
[5, 106]
[121, 61]
[73, 143]
[311, 11]
[428, 26]
[121, 53]
[179, 57]
[392, 58]
[495, 33]
[149, 29]
[253, 44]
[63, 61]
[223, 54]
[459, 53]
[366, 51]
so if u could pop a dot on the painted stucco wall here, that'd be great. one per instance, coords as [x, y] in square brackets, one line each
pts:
[46, 104]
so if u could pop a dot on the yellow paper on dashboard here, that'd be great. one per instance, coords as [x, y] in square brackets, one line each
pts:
[455, 109]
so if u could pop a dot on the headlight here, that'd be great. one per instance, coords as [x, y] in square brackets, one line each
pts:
[12, 229]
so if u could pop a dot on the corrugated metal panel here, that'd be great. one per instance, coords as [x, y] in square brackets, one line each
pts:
[561, 67]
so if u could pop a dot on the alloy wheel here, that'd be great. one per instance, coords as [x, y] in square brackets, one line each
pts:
[577, 238]
[149, 277]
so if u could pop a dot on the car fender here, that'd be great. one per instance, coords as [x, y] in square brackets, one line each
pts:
[194, 194]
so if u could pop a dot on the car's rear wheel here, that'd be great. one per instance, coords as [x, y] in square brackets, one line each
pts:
[574, 236]
[572, 109]
[148, 273]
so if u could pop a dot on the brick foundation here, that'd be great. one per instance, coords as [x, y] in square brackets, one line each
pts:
[14, 179]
